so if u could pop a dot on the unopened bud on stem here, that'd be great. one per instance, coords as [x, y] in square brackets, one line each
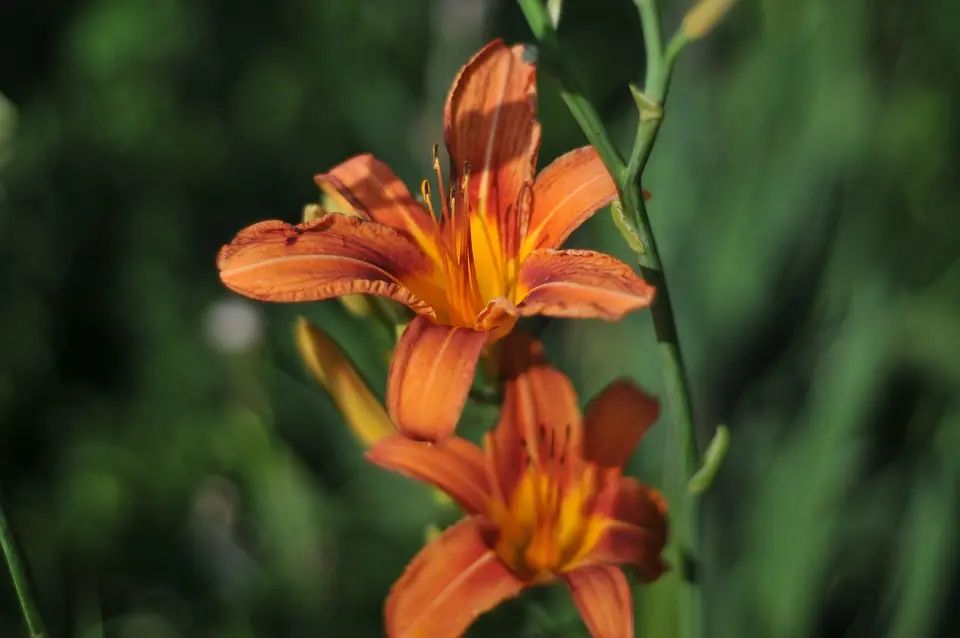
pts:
[704, 15]
[361, 409]
[554, 10]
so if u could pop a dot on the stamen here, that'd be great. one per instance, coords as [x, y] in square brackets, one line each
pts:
[444, 212]
[425, 192]
[466, 179]
[473, 285]
[462, 227]
[453, 215]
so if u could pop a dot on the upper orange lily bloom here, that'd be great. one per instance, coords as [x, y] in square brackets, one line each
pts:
[545, 500]
[470, 264]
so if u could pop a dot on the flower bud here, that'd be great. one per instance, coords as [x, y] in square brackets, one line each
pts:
[704, 15]
[361, 409]
[356, 305]
[312, 211]
[430, 533]
[555, 10]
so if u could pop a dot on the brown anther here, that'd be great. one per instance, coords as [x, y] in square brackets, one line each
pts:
[425, 192]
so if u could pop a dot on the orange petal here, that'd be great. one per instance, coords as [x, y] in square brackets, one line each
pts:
[603, 596]
[616, 421]
[448, 584]
[361, 409]
[430, 376]
[566, 194]
[582, 284]
[368, 186]
[540, 420]
[332, 256]
[498, 317]
[490, 123]
[635, 532]
[455, 466]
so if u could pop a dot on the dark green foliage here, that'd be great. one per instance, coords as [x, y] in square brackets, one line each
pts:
[806, 206]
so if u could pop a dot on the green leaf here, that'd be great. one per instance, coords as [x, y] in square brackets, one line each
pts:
[712, 460]
[626, 228]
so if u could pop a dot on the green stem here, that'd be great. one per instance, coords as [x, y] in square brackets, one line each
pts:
[652, 41]
[628, 177]
[18, 574]
[573, 96]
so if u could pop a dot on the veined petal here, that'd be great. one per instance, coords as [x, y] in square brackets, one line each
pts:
[430, 376]
[332, 256]
[455, 466]
[368, 186]
[635, 532]
[448, 585]
[490, 124]
[566, 193]
[603, 596]
[540, 419]
[580, 283]
[616, 421]
[363, 412]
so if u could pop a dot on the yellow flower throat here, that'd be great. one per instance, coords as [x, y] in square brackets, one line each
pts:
[545, 527]
[473, 267]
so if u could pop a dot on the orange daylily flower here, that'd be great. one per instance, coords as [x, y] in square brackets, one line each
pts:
[469, 267]
[545, 500]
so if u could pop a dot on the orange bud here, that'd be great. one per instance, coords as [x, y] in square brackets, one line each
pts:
[361, 409]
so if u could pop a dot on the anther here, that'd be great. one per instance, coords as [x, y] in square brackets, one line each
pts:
[425, 191]
[436, 157]
[453, 199]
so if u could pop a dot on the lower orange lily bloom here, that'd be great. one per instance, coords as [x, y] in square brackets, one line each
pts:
[545, 500]
[469, 267]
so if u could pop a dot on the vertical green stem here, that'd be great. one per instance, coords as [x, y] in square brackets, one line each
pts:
[628, 176]
[18, 574]
[653, 42]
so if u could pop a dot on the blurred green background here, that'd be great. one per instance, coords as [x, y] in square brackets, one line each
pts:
[170, 468]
